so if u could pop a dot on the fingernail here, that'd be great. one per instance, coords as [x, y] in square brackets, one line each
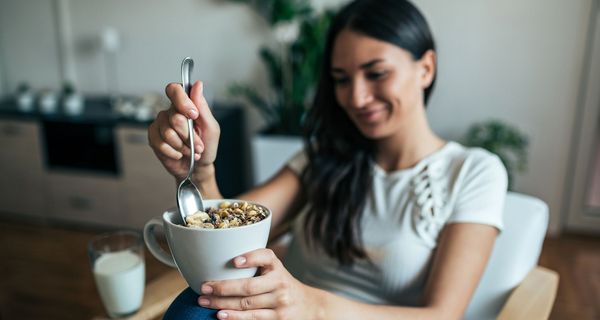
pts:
[206, 289]
[203, 301]
[222, 315]
[192, 113]
[240, 260]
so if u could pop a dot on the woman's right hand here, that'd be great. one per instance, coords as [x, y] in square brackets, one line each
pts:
[168, 134]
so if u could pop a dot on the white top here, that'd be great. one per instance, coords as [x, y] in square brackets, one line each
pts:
[404, 214]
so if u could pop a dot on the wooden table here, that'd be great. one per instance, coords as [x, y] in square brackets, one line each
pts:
[46, 272]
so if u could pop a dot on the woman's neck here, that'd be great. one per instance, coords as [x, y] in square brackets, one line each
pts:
[408, 146]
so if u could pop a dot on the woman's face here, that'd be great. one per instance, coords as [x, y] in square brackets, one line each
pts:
[378, 84]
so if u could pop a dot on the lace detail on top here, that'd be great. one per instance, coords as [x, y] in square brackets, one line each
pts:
[430, 196]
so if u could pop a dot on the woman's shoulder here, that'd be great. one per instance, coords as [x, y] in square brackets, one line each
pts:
[461, 155]
[474, 164]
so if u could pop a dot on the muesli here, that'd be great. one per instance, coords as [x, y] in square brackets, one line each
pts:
[227, 215]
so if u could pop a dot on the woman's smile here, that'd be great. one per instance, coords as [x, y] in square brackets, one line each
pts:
[371, 116]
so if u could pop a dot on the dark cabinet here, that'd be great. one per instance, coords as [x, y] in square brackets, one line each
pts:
[101, 172]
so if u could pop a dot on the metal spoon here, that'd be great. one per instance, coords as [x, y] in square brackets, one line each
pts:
[189, 200]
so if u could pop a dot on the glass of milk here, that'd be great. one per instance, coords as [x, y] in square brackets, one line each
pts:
[117, 261]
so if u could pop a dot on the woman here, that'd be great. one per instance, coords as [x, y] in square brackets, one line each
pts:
[395, 222]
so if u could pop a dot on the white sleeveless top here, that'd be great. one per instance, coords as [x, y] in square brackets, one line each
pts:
[404, 214]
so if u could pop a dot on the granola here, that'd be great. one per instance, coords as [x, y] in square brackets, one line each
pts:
[227, 215]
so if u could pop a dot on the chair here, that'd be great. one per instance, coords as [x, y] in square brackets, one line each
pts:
[513, 287]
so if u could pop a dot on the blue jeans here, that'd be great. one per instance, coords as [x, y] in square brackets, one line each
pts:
[185, 307]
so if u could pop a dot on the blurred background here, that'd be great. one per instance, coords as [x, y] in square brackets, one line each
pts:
[81, 80]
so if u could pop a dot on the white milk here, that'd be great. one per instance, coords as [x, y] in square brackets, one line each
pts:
[120, 278]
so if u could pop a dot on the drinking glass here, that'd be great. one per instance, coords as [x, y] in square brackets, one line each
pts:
[117, 261]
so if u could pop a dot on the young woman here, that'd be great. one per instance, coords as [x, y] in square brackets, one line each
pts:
[394, 222]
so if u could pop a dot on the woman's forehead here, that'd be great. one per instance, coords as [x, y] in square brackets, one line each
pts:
[353, 49]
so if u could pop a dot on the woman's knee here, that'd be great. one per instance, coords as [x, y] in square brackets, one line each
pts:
[185, 307]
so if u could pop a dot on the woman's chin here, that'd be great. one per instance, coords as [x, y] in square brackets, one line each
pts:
[372, 127]
[372, 132]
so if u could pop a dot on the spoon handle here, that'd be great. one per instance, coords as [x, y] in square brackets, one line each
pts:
[186, 71]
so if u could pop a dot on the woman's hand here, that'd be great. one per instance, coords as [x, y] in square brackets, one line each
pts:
[273, 294]
[168, 134]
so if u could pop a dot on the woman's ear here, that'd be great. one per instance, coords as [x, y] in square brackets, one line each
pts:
[428, 68]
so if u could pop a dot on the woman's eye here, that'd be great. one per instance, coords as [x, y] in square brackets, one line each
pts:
[375, 75]
[340, 80]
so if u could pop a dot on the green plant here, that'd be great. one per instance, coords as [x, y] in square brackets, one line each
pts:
[23, 87]
[293, 64]
[276, 11]
[506, 141]
[68, 88]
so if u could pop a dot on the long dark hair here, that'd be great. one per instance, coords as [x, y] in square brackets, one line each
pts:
[337, 179]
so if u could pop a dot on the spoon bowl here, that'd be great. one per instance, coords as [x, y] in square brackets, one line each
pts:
[189, 199]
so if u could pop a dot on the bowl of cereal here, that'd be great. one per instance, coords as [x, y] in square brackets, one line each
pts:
[204, 246]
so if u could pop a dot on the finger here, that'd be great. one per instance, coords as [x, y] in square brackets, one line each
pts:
[180, 100]
[170, 136]
[206, 117]
[265, 258]
[160, 147]
[261, 301]
[197, 98]
[166, 150]
[187, 151]
[240, 287]
[168, 133]
[261, 314]
[178, 122]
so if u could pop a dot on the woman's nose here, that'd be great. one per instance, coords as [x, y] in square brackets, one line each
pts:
[360, 94]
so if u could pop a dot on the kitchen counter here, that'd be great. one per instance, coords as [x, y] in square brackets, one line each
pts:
[96, 110]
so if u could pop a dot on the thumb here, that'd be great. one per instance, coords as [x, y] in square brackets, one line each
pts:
[197, 97]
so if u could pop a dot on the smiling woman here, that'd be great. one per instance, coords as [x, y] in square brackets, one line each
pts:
[388, 219]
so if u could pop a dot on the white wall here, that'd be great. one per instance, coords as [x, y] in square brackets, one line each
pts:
[519, 61]
[29, 50]
[3, 89]
[223, 39]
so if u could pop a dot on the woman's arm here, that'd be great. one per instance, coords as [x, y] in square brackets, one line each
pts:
[278, 194]
[459, 261]
[458, 264]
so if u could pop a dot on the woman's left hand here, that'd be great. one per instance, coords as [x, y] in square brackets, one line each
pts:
[272, 294]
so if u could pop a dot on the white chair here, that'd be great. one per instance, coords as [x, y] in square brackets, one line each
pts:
[513, 287]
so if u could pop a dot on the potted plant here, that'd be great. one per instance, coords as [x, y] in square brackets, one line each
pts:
[504, 140]
[292, 62]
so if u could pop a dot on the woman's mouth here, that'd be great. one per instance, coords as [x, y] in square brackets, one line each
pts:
[370, 116]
